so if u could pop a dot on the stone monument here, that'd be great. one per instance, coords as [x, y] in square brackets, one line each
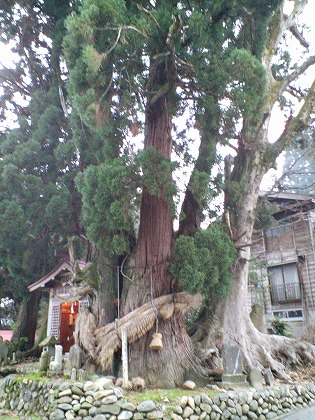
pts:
[233, 376]
[66, 365]
[49, 344]
[76, 356]
[255, 378]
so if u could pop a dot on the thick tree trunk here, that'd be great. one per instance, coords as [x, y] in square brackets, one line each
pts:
[148, 275]
[228, 322]
[151, 258]
[27, 320]
[170, 366]
[153, 250]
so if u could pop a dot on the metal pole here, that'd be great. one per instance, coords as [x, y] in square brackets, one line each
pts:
[124, 356]
[118, 294]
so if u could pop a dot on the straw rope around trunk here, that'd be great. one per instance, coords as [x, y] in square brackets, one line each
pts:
[137, 323]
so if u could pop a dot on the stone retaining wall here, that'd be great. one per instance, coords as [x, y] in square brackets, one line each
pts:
[101, 400]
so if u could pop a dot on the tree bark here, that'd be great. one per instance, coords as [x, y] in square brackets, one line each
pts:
[149, 264]
[227, 322]
[27, 319]
[151, 256]
[192, 210]
[108, 290]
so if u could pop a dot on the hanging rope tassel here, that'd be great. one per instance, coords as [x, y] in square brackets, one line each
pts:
[156, 343]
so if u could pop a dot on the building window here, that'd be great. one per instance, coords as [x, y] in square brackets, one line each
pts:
[284, 283]
[290, 314]
[279, 238]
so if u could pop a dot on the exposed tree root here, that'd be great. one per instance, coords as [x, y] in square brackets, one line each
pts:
[259, 350]
[179, 355]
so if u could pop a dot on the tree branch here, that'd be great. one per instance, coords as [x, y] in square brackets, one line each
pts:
[298, 8]
[12, 78]
[294, 31]
[277, 27]
[232, 147]
[294, 75]
[291, 22]
[143, 9]
[294, 125]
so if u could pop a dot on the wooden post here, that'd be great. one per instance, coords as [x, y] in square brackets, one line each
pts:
[124, 356]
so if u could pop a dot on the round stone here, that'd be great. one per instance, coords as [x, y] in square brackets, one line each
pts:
[189, 385]
[125, 415]
[57, 415]
[146, 406]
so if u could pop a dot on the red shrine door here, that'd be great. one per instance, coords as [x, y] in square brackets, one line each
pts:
[68, 314]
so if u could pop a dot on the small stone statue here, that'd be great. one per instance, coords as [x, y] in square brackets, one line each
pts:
[44, 361]
[56, 365]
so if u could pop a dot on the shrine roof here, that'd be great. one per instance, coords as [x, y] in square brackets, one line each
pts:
[60, 270]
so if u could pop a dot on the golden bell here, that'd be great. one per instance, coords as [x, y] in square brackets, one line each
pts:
[156, 343]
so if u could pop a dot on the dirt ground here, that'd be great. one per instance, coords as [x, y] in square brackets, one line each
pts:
[302, 375]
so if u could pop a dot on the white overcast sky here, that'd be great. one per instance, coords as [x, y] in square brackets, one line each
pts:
[6, 57]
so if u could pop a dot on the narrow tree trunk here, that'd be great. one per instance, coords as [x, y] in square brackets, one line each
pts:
[192, 210]
[27, 319]
[108, 289]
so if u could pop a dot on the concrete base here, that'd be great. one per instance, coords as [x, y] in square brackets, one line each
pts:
[234, 378]
[234, 382]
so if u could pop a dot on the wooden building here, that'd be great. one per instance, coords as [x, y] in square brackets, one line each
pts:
[62, 309]
[282, 275]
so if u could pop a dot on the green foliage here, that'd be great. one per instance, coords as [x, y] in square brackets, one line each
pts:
[257, 16]
[199, 186]
[97, 48]
[157, 174]
[35, 180]
[280, 327]
[202, 263]
[109, 194]
[13, 240]
[247, 84]
[89, 275]
[109, 83]
[58, 211]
